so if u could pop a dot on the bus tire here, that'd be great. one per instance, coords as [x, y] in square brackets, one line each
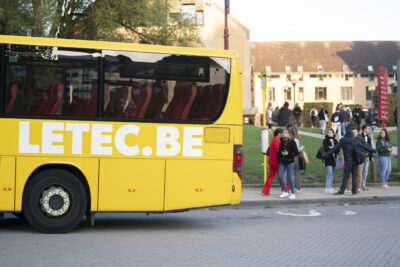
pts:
[54, 201]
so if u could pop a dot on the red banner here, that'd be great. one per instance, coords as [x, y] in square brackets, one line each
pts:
[383, 98]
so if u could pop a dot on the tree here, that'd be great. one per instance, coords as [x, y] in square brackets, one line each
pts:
[143, 21]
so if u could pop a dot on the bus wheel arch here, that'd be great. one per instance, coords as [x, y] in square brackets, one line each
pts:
[68, 182]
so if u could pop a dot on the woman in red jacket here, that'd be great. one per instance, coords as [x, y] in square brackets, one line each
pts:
[272, 160]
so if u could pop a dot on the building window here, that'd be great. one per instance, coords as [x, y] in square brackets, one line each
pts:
[313, 75]
[369, 92]
[370, 68]
[288, 77]
[288, 69]
[288, 94]
[364, 75]
[301, 94]
[299, 68]
[371, 77]
[345, 68]
[268, 69]
[319, 68]
[320, 93]
[394, 68]
[301, 77]
[347, 93]
[347, 76]
[189, 13]
[276, 76]
[321, 77]
[271, 94]
[200, 17]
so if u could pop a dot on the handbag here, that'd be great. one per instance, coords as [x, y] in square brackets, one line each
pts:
[339, 163]
[302, 162]
[320, 153]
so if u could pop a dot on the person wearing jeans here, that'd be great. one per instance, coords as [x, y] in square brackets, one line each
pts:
[330, 162]
[322, 115]
[384, 148]
[366, 139]
[286, 153]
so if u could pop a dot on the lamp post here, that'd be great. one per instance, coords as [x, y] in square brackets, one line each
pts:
[226, 29]
[294, 82]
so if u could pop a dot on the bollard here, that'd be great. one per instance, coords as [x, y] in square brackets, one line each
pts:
[373, 169]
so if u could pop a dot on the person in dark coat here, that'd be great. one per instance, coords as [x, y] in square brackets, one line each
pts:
[330, 162]
[286, 153]
[296, 114]
[366, 139]
[357, 116]
[284, 115]
[323, 118]
[344, 119]
[349, 146]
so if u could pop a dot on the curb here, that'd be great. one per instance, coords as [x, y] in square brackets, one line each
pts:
[315, 185]
[333, 200]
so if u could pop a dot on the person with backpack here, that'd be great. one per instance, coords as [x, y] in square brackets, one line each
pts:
[313, 116]
[330, 162]
[360, 158]
[350, 146]
[323, 119]
[336, 124]
[286, 153]
[384, 148]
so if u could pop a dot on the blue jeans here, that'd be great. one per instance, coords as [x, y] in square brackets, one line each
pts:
[371, 133]
[296, 119]
[289, 169]
[365, 172]
[344, 127]
[330, 175]
[386, 168]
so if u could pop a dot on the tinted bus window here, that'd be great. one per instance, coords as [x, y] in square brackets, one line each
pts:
[51, 81]
[164, 86]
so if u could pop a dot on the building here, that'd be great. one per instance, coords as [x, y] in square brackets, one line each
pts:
[211, 19]
[338, 72]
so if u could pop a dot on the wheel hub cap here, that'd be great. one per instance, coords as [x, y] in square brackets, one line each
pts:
[55, 201]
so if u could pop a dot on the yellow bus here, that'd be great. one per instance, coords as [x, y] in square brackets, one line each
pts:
[90, 126]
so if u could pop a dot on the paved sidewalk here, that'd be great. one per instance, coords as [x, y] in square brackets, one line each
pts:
[252, 197]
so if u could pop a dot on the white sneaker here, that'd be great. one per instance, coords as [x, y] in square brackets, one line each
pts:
[385, 186]
[284, 194]
[292, 196]
[330, 191]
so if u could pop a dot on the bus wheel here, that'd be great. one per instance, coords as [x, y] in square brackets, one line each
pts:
[54, 201]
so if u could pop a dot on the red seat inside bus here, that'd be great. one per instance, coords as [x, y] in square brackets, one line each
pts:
[184, 95]
[11, 95]
[118, 97]
[47, 100]
[157, 101]
[200, 103]
[140, 99]
[215, 101]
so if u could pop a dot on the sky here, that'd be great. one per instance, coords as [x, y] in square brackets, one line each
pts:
[318, 20]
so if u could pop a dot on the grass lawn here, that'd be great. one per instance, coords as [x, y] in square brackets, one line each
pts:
[315, 173]
[311, 130]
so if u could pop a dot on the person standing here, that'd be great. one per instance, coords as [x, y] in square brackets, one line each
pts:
[384, 148]
[371, 121]
[349, 145]
[297, 180]
[360, 161]
[357, 116]
[284, 115]
[296, 114]
[286, 153]
[269, 116]
[336, 124]
[322, 116]
[365, 139]
[313, 116]
[330, 162]
[273, 161]
[343, 120]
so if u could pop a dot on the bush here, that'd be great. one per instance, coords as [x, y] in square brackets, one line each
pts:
[306, 119]
[392, 108]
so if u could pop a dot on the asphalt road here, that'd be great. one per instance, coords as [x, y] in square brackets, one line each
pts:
[364, 235]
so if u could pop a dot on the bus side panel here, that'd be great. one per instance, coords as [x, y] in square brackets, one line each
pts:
[27, 165]
[131, 185]
[237, 182]
[197, 183]
[7, 183]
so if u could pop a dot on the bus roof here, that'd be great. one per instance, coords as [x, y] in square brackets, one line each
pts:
[23, 40]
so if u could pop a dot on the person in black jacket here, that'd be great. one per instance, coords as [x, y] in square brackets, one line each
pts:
[330, 162]
[357, 116]
[296, 114]
[286, 153]
[344, 120]
[323, 116]
[366, 139]
[349, 146]
[284, 115]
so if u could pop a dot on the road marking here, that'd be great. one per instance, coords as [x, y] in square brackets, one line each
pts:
[311, 213]
[349, 212]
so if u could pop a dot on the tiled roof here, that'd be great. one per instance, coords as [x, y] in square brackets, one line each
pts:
[332, 56]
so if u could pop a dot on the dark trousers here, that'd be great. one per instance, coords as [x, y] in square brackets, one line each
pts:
[349, 167]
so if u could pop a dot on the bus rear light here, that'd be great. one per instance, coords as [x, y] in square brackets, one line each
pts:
[238, 160]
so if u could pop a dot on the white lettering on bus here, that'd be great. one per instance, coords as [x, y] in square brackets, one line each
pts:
[98, 139]
[48, 138]
[120, 140]
[167, 141]
[77, 130]
[24, 146]
[189, 141]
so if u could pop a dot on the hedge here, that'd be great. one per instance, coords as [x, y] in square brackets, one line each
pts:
[392, 108]
[306, 119]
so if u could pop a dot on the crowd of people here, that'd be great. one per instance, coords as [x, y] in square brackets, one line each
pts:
[348, 144]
